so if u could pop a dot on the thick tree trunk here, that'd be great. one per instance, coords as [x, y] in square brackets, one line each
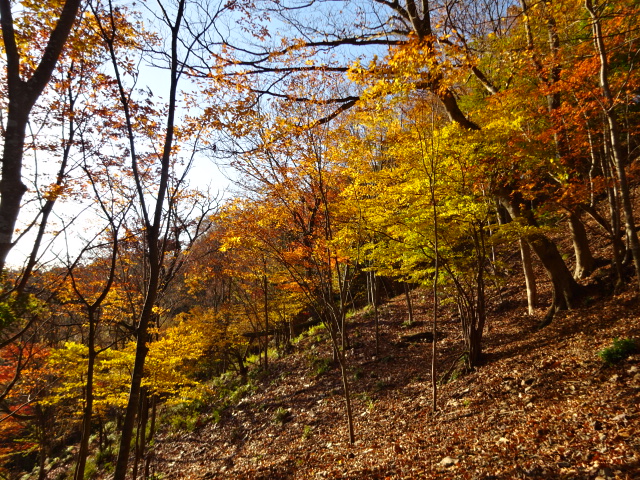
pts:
[11, 187]
[22, 95]
[585, 263]
[565, 289]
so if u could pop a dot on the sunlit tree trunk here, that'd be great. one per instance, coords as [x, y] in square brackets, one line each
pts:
[529, 276]
[585, 263]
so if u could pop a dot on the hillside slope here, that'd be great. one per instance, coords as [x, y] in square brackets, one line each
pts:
[543, 405]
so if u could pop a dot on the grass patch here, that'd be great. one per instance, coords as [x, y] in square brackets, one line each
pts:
[320, 366]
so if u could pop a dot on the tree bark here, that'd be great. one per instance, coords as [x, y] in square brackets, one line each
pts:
[407, 296]
[565, 289]
[585, 263]
[529, 276]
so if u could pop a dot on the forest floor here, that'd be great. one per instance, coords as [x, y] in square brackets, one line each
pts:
[542, 404]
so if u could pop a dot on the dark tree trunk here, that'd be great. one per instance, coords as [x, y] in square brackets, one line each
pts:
[373, 286]
[83, 451]
[152, 431]
[141, 435]
[22, 95]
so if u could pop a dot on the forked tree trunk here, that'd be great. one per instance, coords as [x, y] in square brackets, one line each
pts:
[565, 289]
[21, 97]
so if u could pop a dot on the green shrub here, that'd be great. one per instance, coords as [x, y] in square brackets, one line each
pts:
[321, 365]
[318, 329]
[617, 352]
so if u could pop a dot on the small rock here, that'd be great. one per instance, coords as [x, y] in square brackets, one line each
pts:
[448, 462]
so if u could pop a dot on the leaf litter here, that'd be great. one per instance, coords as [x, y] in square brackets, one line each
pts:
[543, 405]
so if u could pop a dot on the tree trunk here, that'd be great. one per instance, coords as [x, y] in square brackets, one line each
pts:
[11, 187]
[141, 435]
[529, 276]
[614, 137]
[565, 289]
[152, 431]
[585, 263]
[407, 296]
[242, 368]
[83, 451]
[22, 95]
[612, 227]
[373, 283]
[342, 361]
[128, 424]
[266, 320]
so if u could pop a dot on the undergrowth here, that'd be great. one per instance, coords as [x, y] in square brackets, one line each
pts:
[621, 349]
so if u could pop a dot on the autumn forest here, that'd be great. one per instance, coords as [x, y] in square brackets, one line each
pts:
[238, 237]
